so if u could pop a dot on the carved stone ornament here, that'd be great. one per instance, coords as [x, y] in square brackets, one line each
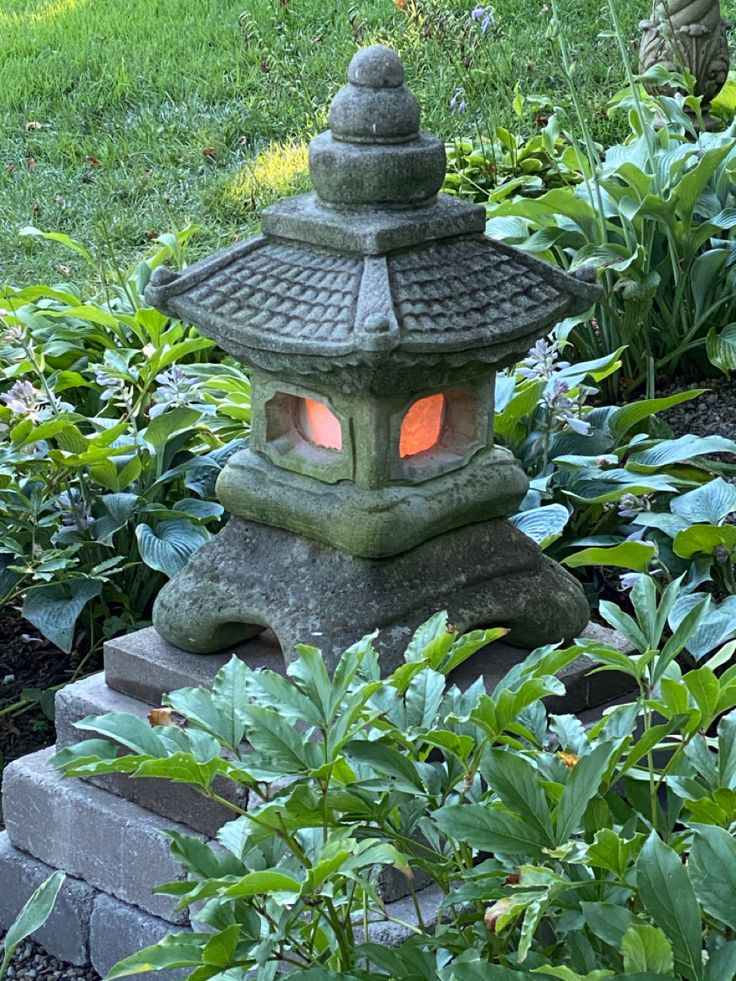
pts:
[373, 314]
[689, 34]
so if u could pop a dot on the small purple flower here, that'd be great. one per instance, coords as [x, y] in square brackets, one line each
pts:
[484, 15]
[628, 580]
[74, 512]
[174, 389]
[542, 360]
[457, 102]
[562, 409]
[630, 505]
[25, 401]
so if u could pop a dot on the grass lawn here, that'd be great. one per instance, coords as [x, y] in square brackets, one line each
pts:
[119, 120]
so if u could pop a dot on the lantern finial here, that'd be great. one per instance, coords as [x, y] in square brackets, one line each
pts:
[374, 153]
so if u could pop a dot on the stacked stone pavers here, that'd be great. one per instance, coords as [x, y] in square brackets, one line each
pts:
[108, 833]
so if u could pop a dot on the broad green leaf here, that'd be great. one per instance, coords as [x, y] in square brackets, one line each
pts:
[628, 555]
[490, 828]
[607, 921]
[712, 868]
[36, 910]
[582, 785]
[543, 525]
[423, 698]
[55, 609]
[128, 730]
[715, 626]
[168, 546]
[721, 348]
[688, 447]
[519, 785]
[669, 898]
[385, 759]
[625, 418]
[177, 950]
[704, 540]
[256, 883]
[721, 965]
[160, 430]
[645, 948]
[710, 503]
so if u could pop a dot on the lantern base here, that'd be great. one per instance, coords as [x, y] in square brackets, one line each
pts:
[251, 576]
[374, 524]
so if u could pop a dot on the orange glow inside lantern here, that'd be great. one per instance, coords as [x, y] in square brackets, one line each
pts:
[421, 427]
[320, 425]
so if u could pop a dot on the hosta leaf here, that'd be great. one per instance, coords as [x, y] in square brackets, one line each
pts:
[721, 348]
[55, 609]
[543, 525]
[167, 547]
[628, 555]
[676, 450]
[710, 503]
[704, 540]
[716, 627]
[32, 916]
[625, 418]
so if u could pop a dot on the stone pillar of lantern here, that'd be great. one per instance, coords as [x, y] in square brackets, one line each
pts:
[691, 35]
[372, 298]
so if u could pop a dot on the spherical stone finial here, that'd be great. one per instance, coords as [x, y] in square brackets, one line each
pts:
[374, 152]
[376, 67]
[375, 106]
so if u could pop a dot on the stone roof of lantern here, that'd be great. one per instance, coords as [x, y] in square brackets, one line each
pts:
[374, 263]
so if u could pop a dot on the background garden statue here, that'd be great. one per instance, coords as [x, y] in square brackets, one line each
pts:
[692, 35]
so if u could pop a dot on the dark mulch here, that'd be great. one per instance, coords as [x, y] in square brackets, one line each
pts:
[31, 961]
[710, 414]
[28, 663]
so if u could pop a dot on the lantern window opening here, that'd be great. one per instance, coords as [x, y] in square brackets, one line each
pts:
[319, 424]
[422, 425]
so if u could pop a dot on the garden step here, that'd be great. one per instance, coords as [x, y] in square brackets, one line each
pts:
[92, 696]
[66, 932]
[145, 666]
[86, 926]
[109, 842]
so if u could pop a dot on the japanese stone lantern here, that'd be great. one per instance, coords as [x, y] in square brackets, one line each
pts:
[373, 316]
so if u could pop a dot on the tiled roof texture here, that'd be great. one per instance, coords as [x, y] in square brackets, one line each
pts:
[454, 294]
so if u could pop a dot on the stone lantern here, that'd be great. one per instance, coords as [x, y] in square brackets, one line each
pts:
[373, 315]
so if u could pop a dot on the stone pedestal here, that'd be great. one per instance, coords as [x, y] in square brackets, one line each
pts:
[107, 833]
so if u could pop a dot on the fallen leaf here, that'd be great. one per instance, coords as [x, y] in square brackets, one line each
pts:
[93, 161]
[10, 168]
[209, 151]
[164, 717]
[33, 124]
[30, 163]
[494, 913]
[569, 759]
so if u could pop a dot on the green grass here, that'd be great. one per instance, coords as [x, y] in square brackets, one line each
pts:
[119, 120]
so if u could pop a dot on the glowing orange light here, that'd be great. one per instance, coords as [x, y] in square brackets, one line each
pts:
[320, 425]
[422, 425]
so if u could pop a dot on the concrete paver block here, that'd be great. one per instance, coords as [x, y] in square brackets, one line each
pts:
[66, 932]
[118, 930]
[92, 696]
[109, 842]
[145, 666]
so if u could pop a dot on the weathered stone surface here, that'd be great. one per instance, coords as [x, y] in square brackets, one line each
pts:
[66, 932]
[392, 934]
[145, 666]
[93, 835]
[307, 592]
[372, 523]
[118, 930]
[92, 696]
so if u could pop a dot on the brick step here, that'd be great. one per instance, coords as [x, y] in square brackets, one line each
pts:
[92, 696]
[110, 843]
[144, 666]
[86, 926]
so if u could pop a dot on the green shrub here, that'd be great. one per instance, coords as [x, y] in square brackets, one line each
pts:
[559, 850]
[114, 427]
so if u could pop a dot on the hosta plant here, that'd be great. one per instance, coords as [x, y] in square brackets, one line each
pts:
[114, 423]
[554, 849]
[655, 219]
